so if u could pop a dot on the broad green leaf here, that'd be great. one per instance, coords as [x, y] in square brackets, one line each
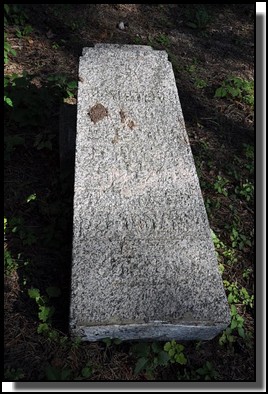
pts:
[163, 358]
[141, 363]
[44, 313]
[181, 359]
[230, 298]
[233, 310]
[171, 352]
[43, 327]
[233, 324]
[72, 85]
[239, 319]
[221, 92]
[167, 346]
[179, 347]
[241, 332]
[34, 293]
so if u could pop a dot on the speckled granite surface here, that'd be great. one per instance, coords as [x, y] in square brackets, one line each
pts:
[144, 265]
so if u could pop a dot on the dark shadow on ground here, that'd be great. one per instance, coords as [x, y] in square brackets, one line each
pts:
[59, 224]
[216, 44]
[44, 228]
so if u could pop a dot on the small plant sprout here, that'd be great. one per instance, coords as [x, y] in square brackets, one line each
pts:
[207, 372]
[175, 352]
[31, 197]
[220, 185]
[238, 89]
[45, 311]
[150, 356]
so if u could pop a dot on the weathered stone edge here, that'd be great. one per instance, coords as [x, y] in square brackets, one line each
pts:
[149, 331]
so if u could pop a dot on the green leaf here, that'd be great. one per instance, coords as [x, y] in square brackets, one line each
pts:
[209, 365]
[156, 348]
[171, 352]
[53, 291]
[34, 293]
[8, 101]
[107, 341]
[70, 94]
[230, 298]
[52, 373]
[235, 232]
[233, 310]
[222, 339]
[192, 25]
[65, 374]
[239, 319]
[201, 371]
[163, 358]
[167, 346]
[220, 92]
[6, 8]
[241, 332]
[72, 85]
[43, 327]
[141, 363]
[86, 372]
[233, 324]
[181, 359]
[31, 197]
[141, 349]
[13, 52]
[44, 313]
[179, 348]
[155, 361]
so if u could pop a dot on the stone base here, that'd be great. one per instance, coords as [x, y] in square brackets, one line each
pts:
[150, 332]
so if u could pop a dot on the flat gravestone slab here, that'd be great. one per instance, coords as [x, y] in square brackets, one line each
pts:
[144, 265]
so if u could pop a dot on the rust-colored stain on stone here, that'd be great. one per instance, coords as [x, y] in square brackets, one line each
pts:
[97, 112]
[131, 124]
[122, 115]
[124, 119]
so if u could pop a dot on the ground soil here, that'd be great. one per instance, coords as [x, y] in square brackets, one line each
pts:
[202, 58]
